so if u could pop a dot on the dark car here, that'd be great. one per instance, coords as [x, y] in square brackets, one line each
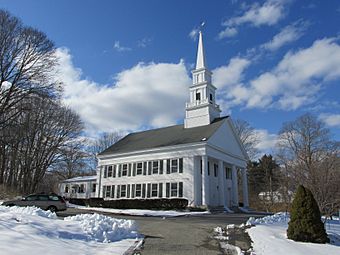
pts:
[50, 202]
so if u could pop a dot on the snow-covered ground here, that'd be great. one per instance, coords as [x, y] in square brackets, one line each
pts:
[139, 212]
[269, 237]
[29, 230]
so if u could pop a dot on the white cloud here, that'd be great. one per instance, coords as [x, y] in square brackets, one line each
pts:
[287, 35]
[146, 41]
[120, 48]
[147, 95]
[230, 74]
[269, 13]
[267, 141]
[295, 81]
[331, 120]
[193, 33]
[227, 33]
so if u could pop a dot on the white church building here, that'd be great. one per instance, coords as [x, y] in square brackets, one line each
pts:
[198, 161]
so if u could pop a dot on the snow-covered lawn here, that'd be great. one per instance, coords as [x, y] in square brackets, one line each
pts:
[29, 230]
[139, 212]
[269, 237]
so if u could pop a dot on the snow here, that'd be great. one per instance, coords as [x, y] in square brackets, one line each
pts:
[139, 212]
[34, 231]
[269, 237]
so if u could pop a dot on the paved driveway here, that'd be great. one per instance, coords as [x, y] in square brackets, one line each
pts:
[179, 235]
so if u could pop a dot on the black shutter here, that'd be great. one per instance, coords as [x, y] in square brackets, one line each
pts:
[113, 191]
[168, 166]
[160, 189]
[144, 168]
[161, 166]
[180, 189]
[129, 173]
[150, 167]
[114, 171]
[105, 171]
[118, 191]
[208, 168]
[143, 190]
[181, 165]
[167, 189]
[133, 190]
[149, 190]
[119, 170]
[134, 169]
[128, 191]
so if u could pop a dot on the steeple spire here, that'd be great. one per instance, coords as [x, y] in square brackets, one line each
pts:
[200, 62]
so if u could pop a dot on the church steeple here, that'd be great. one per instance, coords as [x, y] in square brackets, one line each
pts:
[200, 61]
[202, 109]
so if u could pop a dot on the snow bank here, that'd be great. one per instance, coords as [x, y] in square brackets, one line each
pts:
[31, 210]
[34, 231]
[277, 218]
[269, 237]
[105, 229]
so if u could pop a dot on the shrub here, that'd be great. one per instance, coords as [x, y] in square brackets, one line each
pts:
[305, 220]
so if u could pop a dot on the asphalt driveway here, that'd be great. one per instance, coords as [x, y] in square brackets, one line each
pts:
[178, 235]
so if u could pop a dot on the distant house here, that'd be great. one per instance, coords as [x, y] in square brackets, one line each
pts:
[79, 187]
[198, 161]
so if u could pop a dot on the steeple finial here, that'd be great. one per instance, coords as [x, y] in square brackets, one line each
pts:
[200, 62]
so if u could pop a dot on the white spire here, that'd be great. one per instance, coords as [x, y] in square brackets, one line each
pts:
[200, 62]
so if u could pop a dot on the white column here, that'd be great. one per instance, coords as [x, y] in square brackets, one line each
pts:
[245, 187]
[205, 181]
[221, 184]
[235, 187]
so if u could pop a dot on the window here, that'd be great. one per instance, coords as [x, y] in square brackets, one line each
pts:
[122, 190]
[215, 170]
[66, 189]
[109, 171]
[228, 173]
[43, 198]
[138, 190]
[155, 167]
[93, 187]
[174, 189]
[208, 168]
[108, 191]
[112, 191]
[211, 97]
[81, 188]
[174, 165]
[124, 171]
[139, 168]
[198, 96]
[154, 190]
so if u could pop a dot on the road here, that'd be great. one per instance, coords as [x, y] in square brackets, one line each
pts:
[178, 235]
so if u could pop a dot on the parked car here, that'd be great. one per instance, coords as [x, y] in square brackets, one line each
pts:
[50, 202]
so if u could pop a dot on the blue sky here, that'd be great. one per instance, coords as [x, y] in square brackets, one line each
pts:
[126, 64]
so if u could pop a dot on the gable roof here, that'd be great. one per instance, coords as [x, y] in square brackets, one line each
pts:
[162, 137]
[82, 179]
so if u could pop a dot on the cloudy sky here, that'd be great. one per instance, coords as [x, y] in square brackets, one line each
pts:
[126, 64]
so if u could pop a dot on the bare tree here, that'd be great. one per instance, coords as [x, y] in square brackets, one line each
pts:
[311, 158]
[27, 62]
[248, 137]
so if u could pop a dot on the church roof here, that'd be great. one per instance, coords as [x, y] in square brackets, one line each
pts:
[162, 137]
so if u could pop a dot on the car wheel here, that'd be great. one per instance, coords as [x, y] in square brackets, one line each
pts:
[52, 208]
[10, 205]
